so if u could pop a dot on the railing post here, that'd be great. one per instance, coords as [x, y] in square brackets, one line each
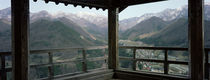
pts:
[206, 65]
[50, 67]
[113, 25]
[166, 65]
[134, 59]
[105, 60]
[3, 70]
[84, 62]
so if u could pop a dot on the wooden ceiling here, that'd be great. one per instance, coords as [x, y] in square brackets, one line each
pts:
[103, 4]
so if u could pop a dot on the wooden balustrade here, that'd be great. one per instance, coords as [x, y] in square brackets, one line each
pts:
[165, 61]
[50, 64]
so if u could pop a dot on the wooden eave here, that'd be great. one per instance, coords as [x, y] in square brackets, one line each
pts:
[134, 2]
[102, 4]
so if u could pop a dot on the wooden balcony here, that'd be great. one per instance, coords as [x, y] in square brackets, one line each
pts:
[104, 73]
[20, 44]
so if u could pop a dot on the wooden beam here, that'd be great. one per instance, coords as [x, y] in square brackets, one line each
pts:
[196, 39]
[122, 8]
[20, 33]
[113, 25]
[206, 65]
[134, 2]
[89, 3]
[138, 75]
[3, 72]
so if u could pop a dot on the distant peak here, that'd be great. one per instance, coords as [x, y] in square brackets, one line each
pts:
[43, 12]
[207, 3]
[82, 14]
[6, 9]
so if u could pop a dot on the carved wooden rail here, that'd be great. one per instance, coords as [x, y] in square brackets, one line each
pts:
[165, 61]
[50, 64]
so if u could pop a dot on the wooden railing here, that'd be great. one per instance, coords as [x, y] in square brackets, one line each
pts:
[50, 64]
[165, 61]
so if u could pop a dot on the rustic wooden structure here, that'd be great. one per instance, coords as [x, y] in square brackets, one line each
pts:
[20, 39]
[113, 37]
[20, 48]
[196, 39]
[107, 74]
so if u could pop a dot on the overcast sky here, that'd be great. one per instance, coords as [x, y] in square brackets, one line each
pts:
[132, 11]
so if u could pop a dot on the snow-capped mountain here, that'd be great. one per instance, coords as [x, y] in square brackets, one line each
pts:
[166, 15]
[85, 19]
[99, 20]
[41, 14]
[128, 23]
[74, 17]
[5, 13]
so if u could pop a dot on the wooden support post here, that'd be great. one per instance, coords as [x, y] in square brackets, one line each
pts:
[206, 64]
[3, 73]
[50, 68]
[196, 39]
[20, 39]
[134, 59]
[105, 60]
[84, 62]
[166, 65]
[113, 38]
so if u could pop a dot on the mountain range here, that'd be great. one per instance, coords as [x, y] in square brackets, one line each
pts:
[168, 27]
[87, 19]
[173, 34]
[47, 32]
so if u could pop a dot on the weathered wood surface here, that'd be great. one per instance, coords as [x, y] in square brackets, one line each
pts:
[134, 2]
[50, 67]
[155, 60]
[20, 39]
[84, 62]
[3, 74]
[99, 58]
[196, 38]
[67, 49]
[207, 64]
[94, 75]
[103, 4]
[113, 27]
[134, 61]
[155, 48]
[134, 75]
[166, 63]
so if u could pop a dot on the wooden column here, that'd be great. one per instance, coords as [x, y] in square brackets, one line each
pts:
[20, 33]
[113, 37]
[134, 59]
[196, 39]
[84, 62]
[166, 65]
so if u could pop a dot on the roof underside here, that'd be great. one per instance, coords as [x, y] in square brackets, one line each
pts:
[103, 4]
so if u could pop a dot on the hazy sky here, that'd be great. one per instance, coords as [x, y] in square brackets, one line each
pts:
[132, 11]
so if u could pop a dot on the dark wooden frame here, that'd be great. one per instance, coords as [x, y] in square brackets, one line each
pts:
[113, 25]
[51, 64]
[20, 39]
[20, 35]
[196, 38]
